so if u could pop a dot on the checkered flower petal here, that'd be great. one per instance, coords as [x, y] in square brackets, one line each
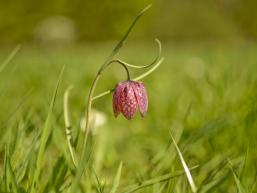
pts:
[141, 96]
[116, 99]
[128, 97]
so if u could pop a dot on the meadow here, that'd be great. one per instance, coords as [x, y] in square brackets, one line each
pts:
[203, 93]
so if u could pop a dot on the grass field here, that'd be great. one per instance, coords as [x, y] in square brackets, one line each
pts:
[204, 94]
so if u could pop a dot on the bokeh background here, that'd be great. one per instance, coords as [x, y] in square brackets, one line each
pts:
[178, 20]
[205, 91]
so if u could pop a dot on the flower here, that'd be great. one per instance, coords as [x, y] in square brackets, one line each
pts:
[128, 97]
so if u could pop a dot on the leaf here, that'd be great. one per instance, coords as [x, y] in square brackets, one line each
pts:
[124, 38]
[99, 187]
[239, 185]
[58, 175]
[44, 137]
[153, 181]
[187, 171]
[116, 179]
[9, 58]
[10, 174]
[5, 170]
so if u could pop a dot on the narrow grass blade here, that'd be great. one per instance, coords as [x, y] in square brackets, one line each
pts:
[210, 187]
[5, 170]
[44, 137]
[116, 179]
[187, 171]
[11, 174]
[244, 164]
[219, 178]
[86, 154]
[58, 176]
[253, 186]
[208, 130]
[212, 170]
[23, 168]
[11, 114]
[9, 58]
[217, 174]
[153, 181]
[124, 38]
[239, 185]
[99, 187]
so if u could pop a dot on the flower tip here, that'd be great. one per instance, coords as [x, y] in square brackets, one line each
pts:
[143, 115]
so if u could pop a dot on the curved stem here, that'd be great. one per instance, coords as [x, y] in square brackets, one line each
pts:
[156, 61]
[89, 102]
[145, 66]
[149, 71]
[91, 93]
[103, 94]
[122, 64]
[136, 78]
[86, 128]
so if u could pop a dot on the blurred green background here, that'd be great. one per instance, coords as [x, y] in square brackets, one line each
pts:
[22, 20]
[205, 91]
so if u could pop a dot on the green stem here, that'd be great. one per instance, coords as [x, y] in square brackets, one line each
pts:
[92, 90]
[144, 66]
[81, 168]
[89, 106]
[68, 125]
[123, 64]
[135, 79]
[82, 162]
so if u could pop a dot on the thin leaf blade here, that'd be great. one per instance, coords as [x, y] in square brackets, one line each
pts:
[187, 171]
[117, 179]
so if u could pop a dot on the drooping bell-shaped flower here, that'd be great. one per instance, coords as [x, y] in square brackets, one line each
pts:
[128, 97]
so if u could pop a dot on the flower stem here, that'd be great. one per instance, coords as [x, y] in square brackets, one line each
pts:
[89, 106]
[144, 66]
[136, 79]
[91, 93]
[83, 160]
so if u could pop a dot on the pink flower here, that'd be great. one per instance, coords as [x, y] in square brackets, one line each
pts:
[128, 97]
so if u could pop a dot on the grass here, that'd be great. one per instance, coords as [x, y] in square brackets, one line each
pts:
[205, 93]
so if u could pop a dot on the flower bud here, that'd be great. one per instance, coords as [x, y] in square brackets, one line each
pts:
[128, 97]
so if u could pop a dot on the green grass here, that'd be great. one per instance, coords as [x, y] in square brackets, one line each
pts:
[205, 94]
